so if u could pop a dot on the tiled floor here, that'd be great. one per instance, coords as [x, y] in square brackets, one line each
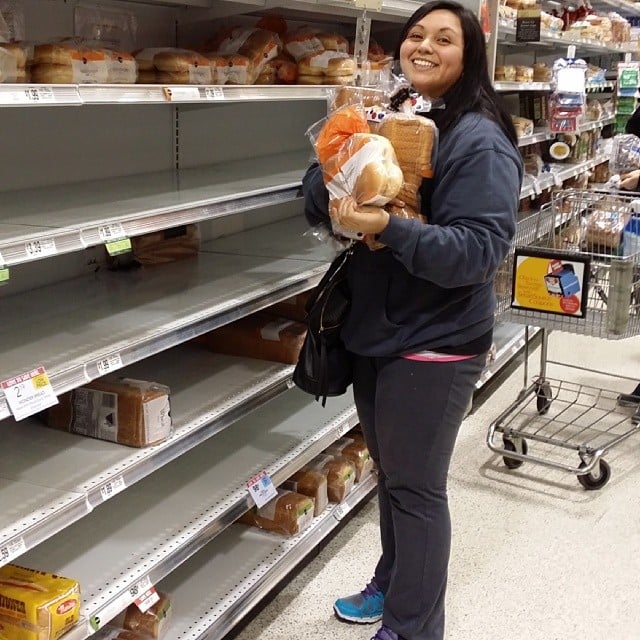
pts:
[535, 556]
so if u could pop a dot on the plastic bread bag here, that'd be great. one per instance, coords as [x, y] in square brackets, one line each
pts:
[8, 67]
[625, 154]
[70, 61]
[11, 21]
[151, 623]
[108, 27]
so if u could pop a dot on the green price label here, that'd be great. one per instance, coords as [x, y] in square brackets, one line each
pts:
[629, 78]
[4, 275]
[118, 247]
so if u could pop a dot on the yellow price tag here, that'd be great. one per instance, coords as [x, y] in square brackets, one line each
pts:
[118, 247]
[40, 381]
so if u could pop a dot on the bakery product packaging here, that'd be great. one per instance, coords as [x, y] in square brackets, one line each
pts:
[356, 451]
[292, 308]
[289, 513]
[70, 61]
[173, 66]
[340, 472]
[151, 623]
[312, 483]
[36, 605]
[130, 412]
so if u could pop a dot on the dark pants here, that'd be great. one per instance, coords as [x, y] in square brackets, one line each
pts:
[410, 412]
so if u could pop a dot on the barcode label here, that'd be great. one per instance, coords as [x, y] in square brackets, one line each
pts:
[12, 550]
[340, 511]
[40, 248]
[39, 94]
[110, 232]
[110, 363]
[112, 488]
[140, 587]
[214, 93]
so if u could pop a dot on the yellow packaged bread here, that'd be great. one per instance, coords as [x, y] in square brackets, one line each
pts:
[341, 475]
[153, 622]
[35, 605]
[130, 412]
[289, 513]
[312, 483]
[356, 451]
[259, 335]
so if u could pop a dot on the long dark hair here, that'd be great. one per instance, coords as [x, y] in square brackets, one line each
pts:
[473, 91]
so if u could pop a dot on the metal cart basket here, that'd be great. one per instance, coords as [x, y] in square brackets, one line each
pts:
[568, 270]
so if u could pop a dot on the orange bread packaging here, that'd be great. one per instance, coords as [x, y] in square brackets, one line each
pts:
[259, 335]
[289, 513]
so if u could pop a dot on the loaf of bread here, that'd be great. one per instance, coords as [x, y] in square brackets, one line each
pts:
[35, 605]
[130, 412]
[311, 483]
[174, 66]
[361, 96]
[153, 622]
[327, 63]
[289, 514]
[259, 335]
[340, 472]
[292, 308]
[523, 126]
[541, 72]
[178, 60]
[356, 451]
[524, 74]
[333, 41]
[301, 43]
[505, 73]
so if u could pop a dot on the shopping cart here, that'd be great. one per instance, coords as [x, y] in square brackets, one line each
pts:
[568, 271]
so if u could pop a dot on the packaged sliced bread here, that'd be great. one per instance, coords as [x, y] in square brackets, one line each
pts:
[356, 451]
[36, 605]
[152, 623]
[312, 483]
[131, 412]
[289, 513]
[341, 475]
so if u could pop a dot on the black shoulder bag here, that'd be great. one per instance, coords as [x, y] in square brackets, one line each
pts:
[324, 365]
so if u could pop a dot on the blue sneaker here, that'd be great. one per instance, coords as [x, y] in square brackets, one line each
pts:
[364, 607]
[384, 633]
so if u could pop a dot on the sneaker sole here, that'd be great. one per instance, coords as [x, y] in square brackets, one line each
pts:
[358, 620]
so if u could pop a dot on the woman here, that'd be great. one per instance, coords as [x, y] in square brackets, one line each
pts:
[629, 181]
[422, 315]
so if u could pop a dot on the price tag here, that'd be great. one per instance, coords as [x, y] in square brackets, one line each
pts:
[214, 93]
[557, 180]
[40, 248]
[28, 95]
[145, 601]
[119, 604]
[110, 232]
[29, 393]
[181, 94]
[261, 489]
[340, 511]
[112, 488]
[118, 247]
[110, 363]
[12, 550]
[375, 5]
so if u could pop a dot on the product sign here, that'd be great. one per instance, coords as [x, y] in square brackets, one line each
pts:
[550, 283]
[118, 246]
[528, 25]
[12, 550]
[261, 489]
[28, 393]
[147, 599]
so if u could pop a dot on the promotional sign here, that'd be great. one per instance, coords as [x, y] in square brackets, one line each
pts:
[550, 282]
[528, 25]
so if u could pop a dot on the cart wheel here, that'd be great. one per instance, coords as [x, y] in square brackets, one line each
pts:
[544, 396]
[591, 481]
[519, 446]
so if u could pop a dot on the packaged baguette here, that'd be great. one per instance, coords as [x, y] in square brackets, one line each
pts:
[289, 513]
[36, 605]
[356, 451]
[153, 622]
[312, 483]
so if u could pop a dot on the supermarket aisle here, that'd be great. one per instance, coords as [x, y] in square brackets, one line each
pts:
[535, 556]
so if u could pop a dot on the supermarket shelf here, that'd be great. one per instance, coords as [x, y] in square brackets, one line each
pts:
[37, 95]
[37, 223]
[558, 174]
[129, 316]
[158, 523]
[208, 393]
[521, 86]
[247, 563]
[545, 134]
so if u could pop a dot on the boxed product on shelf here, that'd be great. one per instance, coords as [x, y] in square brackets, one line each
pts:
[289, 513]
[356, 451]
[130, 412]
[312, 483]
[36, 605]
[260, 335]
[292, 308]
[341, 474]
[151, 623]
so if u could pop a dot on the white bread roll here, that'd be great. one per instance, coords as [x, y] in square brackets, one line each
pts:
[53, 74]
[333, 42]
[310, 79]
[329, 63]
[179, 60]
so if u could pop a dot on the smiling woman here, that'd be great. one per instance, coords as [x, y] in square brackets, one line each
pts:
[422, 313]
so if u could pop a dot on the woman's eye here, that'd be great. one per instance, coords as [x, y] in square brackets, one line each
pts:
[415, 36]
[444, 40]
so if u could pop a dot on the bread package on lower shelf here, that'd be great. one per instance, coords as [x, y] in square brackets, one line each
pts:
[131, 412]
[153, 622]
[292, 308]
[341, 475]
[312, 483]
[260, 335]
[289, 513]
[35, 605]
[356, 451]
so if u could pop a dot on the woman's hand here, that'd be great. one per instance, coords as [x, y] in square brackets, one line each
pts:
[629, 180]
[363, 218]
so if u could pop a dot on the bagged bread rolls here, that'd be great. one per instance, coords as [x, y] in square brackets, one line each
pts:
[69, 63]
[289, 513]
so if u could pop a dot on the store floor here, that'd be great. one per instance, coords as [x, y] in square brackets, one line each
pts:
[535, 556]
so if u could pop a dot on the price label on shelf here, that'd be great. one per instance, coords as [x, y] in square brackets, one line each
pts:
[214, 93]
[110, 363]
[29, 393]
[340, 511]
[40, 248]
[118, 246]
[27, 95]
[110, 232]
[261, 489]
[120, 603]
[112, 488]
[181, 94]
[145, 601]
[12, 550]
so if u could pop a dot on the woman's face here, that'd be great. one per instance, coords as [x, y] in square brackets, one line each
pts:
[431, 54]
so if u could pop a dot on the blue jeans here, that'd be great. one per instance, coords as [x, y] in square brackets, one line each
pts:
[411, 412]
